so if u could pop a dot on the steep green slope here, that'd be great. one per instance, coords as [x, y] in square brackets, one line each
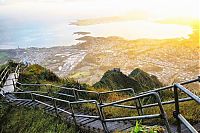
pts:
[113, 80]
[36, 73]
[29, 120]
[145, 79]
[138, 79]
[15, 119]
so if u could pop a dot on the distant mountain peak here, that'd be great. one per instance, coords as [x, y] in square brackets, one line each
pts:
[137, 79]
[148, 80]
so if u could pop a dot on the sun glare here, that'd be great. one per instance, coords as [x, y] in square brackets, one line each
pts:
[157, 9]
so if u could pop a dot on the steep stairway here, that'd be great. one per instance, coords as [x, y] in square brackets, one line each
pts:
[92, 121]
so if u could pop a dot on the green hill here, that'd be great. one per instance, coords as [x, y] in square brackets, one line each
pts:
[138, 80]
[15, 119]
[36, 73]
[145, 79]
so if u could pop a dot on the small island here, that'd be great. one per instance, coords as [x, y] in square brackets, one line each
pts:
[81, 33]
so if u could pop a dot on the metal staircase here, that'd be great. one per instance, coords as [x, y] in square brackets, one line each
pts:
[70, 108]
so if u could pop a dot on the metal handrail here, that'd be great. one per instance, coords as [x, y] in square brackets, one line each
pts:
[77, 92]
[101, 105]
[189, 93]
[134, 118]
[4, 70]
[74, 115]
[102, 93]
[171, 86]
[177, 113]
[162, 114]
[5, 75]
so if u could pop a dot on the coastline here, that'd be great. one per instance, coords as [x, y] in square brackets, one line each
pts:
[87, 61]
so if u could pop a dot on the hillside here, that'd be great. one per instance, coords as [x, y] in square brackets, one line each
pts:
[137, 79]
[145, 79]
[36, 120]
[15, 119]
[37, 74]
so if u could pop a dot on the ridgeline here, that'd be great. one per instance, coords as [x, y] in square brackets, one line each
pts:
[137, 79]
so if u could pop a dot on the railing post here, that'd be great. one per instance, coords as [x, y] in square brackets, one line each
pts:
[13, 84]
[15, 76]
[74, 118]
[1, 84]
[102, 119]
[3, 92]
[163, 113]
[55, 107]
[177, 112]
[75, 94]
[139, 109]
[140, 105]
[99, 98]
[32, 98]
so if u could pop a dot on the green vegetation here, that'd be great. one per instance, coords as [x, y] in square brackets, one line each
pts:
[2, 67]
[28, 120]
[10, 63]
[36, 74]
[111, 79]
[145, 79]
[79, 75]
[117, 80]
[138, 80]
[139, 128]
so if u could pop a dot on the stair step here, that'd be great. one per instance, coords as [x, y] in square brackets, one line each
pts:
[95, 124]
[10, 96]
[84, 123]
[27, 103]
[21, 103]
[82, 120]
[46, 107]
[51, 110]
[33, 104]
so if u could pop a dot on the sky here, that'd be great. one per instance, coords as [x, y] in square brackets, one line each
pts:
[46, 22]
[156, 9]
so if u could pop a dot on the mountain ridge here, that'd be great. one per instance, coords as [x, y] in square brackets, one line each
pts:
[137, 79]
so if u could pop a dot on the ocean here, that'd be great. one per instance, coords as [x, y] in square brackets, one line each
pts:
[45, 24]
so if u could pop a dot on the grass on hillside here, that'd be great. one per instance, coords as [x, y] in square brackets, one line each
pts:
[79, 75]
[37, 74]
[15, 119]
